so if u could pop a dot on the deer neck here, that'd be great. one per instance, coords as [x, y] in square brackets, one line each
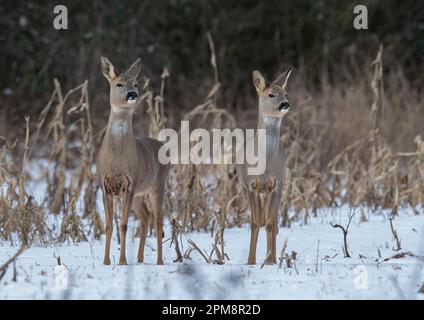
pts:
[272, 126]
[119, 129]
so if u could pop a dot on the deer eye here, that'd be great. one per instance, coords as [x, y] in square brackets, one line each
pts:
[135, 85]
[119, 84]
[271, 95]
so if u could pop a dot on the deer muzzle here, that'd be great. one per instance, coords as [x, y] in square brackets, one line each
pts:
[131, 97]
[284, 106]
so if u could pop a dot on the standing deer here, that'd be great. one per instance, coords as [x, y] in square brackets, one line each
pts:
[128, 167]
[264, 191]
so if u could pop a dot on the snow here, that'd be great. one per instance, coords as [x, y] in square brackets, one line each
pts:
[364, 276]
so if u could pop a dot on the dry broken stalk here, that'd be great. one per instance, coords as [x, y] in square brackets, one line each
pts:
[195, 247]
[395, 235]
[282, 253]
[345, 231]
[4, 267]
[176, 231]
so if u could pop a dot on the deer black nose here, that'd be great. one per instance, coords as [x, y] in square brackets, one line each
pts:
[284, 106]
[131, 95]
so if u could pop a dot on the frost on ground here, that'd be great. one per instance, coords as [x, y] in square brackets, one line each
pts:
[375, 271]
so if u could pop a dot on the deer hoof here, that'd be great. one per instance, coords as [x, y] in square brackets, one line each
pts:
[123, 262]
[106, 261]
[269, 262]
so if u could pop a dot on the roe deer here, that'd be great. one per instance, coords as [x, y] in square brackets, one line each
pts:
[264, 191]
[128, 167]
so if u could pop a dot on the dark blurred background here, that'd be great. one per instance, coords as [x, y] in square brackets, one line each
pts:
[317, 38]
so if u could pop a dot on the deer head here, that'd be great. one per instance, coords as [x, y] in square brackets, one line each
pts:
[272, 97]
[123, 87]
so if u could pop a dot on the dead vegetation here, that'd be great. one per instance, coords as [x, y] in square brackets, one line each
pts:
[5, 265]
[366, 173]
[345, 230]
[395, 236]
[20, 215]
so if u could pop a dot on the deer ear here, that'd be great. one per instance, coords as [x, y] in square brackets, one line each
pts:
[108, 69]
[283, 78]
[258, 81]
[134, 69]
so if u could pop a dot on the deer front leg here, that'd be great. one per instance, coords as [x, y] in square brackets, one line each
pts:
[254, 226]
[124, 225]
[271, 228]
[274, 237]
[276, 214]
[108, 205]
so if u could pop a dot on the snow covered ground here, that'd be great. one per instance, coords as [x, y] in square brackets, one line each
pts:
[319, 272]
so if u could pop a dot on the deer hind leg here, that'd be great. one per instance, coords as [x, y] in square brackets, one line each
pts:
[156, 198]
[124, 226]
[254, 225]
[108, 205]
[141, 211]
